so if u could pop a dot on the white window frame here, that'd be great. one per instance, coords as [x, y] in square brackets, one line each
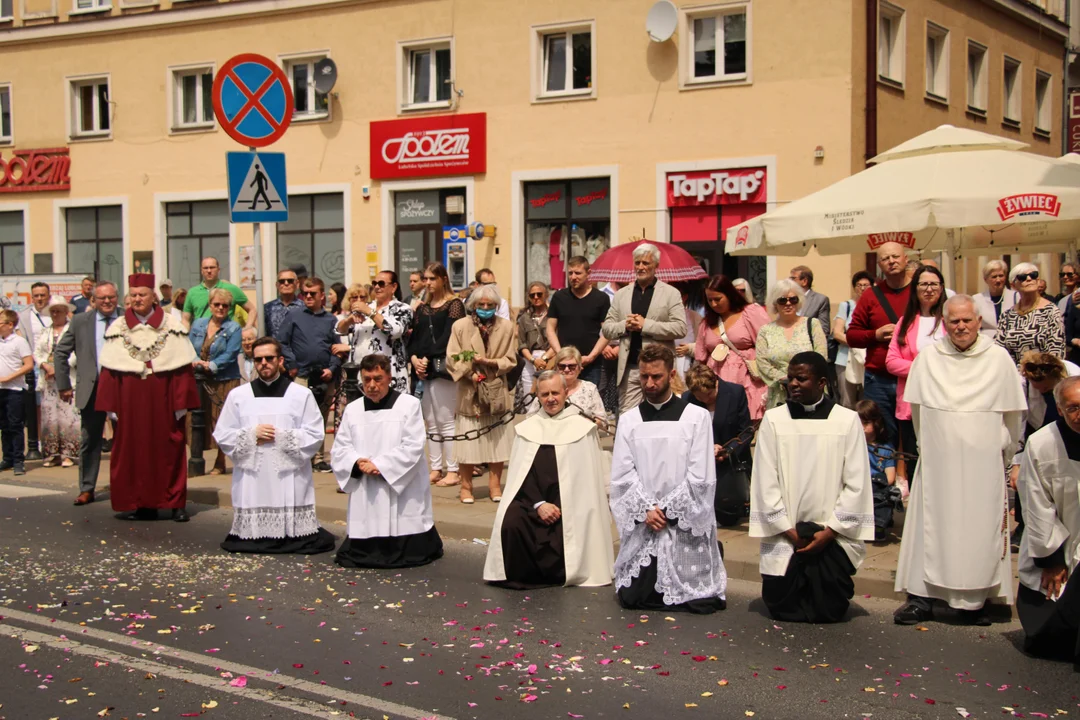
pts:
[9, 139]
[538, 42]
[941, 76]
[1044, 106]
[39, 14]
[405, 51]
[687, 16]
[11, 16]
[1011, 104]
[287, 63]
[176, 73]
[978, 91]
[892, 50]
[74, 101]
[96, 6]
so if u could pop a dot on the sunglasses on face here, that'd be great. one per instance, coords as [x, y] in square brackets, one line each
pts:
[266, 359]
[1024, 277]
[567, 367]
[536, 295]
[287, 281]
[787, 301]
[219, 305]
[1066, 275]
[310, 293]
[379, 283]
[1040, 368]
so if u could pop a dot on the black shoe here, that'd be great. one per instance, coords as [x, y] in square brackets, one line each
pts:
[180, 515]
[106, 446]
[880, 534]
[1014, 541]
[20, 469]
[980, 617]
[323, 467]
[914, 611]
[5, 465]
[140, 514]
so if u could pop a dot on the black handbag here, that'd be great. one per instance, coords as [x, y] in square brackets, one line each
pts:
[437, 363]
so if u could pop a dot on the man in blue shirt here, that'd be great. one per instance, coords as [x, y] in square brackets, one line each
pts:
[307, 338]
[82, 302]
[275, 311]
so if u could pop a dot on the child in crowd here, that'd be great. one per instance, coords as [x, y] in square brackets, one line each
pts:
[882, 467]
[16, 360]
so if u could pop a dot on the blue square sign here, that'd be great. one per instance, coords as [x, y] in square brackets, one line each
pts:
[257, 190]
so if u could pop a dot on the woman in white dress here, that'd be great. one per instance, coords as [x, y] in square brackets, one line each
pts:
[60, 425]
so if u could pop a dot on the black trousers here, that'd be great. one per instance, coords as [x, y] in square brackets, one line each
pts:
[1051, 629]
[11, 426]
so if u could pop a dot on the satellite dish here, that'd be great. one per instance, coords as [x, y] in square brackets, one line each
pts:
[661, 21]
[325, 75]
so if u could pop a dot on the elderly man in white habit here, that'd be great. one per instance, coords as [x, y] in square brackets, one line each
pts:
[556, 527]
[968, 406]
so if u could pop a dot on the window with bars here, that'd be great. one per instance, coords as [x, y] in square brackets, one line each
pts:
[194, 230]
[95, 242]
[192, 103]
[308, 103]
[314, 236]
[12, 243]
[90, 111]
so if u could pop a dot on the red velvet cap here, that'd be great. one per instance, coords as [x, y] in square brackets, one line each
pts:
[145, 280]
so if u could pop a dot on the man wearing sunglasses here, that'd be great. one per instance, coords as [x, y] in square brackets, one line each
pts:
[272, 460]
[288, 287]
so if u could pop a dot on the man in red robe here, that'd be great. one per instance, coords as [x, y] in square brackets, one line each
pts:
[148, 383]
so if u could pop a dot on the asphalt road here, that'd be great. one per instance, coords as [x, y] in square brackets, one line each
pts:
[105, 618]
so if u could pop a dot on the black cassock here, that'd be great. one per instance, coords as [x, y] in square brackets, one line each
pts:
[817, 588]
[533, 555]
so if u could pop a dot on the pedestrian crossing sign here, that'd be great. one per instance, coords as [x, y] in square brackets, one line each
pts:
[257, 190]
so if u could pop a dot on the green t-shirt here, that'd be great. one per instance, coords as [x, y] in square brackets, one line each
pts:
[198, 299]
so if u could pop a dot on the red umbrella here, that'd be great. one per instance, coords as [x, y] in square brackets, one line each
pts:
[617, 264]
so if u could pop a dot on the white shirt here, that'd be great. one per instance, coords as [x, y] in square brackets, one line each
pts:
[13, 349]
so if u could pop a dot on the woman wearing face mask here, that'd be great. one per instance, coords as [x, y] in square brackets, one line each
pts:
[1034, 323]
[785, 337]
[481, 351]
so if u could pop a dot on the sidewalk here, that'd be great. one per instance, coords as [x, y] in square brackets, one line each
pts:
[466, 522]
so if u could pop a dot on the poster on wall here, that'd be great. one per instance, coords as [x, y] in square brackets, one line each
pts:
[246, 256]
[16, 288]
[142, 261]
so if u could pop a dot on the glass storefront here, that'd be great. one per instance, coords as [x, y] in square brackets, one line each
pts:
[564, 219]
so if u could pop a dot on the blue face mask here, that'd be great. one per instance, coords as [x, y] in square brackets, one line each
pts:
[485, 314]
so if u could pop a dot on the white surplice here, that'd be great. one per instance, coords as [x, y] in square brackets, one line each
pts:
[968, 412]
[396, 502]
[1049, 485]
[810, 470]
[582, 467]
[667, 462]
[273, 494]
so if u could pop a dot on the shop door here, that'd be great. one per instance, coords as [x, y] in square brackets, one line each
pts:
[416, 247]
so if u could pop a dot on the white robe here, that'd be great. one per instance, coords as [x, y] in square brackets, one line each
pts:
[273, 494]
[810, 471]
[968, 414]
[670, 465]
[396, 502]
[586, 523]
[1049, 484]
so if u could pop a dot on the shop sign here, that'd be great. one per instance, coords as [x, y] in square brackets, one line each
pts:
[420, 208]
[545, 200]
[1028, 204]
[1074, 122]
[876, 240]
[716, 187]
[429, 146]
[35, 171]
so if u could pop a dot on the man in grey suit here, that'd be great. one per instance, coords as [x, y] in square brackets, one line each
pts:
[646, 312]
[84, 338]
[815, 305]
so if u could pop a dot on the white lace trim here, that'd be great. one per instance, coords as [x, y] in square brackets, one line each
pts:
[758, 517]
[631, 569]
[274, 522]
[690, 567]
[287, 450]
[684, 507]
[858, 519]
[629, 509]
[779, 549]
[244, 455]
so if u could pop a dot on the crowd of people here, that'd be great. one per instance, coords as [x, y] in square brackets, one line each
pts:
[909, 391]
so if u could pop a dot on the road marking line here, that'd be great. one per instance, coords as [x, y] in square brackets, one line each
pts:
[215, 663]
[298, 705]
[14, 492]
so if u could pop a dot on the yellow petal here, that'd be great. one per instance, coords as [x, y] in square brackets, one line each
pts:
[706, 694]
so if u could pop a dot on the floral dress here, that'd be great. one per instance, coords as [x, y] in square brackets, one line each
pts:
[774, 351]
[60, 423]
[388, 339]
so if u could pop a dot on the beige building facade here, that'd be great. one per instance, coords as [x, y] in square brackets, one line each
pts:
[561, 127]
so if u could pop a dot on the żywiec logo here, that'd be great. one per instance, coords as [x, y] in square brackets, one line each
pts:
[876, 240]
[440, 146]
[741, 238]
[551, 197]
[1028, 204]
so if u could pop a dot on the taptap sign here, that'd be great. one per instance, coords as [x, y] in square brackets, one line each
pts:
[252, 100]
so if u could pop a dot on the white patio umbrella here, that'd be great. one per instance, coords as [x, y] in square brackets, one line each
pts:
[949, 189]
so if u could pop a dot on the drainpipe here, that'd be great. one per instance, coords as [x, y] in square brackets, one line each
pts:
[870, 118]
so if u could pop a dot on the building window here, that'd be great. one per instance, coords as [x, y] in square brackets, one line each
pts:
[937, 62]
[718, 44]
[564, 218]
[12, 246]
[5, 9]
[192, 104]
[308, 103]
[88, 5]
[5, 114]
[90, 107]
[976, 78]
[566, 61]
[314, 236]
[891, 43]
[427, 75]
[1043, 98]
[95, 242]
[194, 230]
[1011, 92]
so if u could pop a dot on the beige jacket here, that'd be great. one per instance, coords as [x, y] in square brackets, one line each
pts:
[664, 323]
[502, 346]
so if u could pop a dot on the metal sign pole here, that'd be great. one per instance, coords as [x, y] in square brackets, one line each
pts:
[259, 280]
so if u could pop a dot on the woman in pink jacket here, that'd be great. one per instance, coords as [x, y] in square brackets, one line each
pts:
[921, 326]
